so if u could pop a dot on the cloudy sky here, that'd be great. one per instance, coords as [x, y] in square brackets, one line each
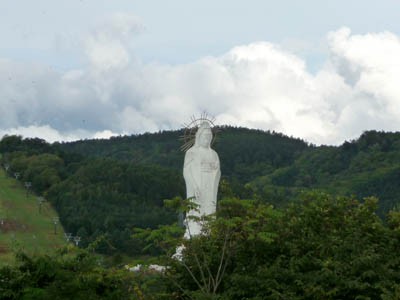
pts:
[324, 71]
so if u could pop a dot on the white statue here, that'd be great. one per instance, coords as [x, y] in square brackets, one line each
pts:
[202, 173]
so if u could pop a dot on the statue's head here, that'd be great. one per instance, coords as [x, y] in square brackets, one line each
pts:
[203, 135]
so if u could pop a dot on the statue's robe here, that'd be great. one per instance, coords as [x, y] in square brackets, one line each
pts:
[202, 174]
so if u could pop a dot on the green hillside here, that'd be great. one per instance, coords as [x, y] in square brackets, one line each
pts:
[245, 153]
[21, 224]
[368, 166]
[275, 167]
[102, 189]
[314, 242]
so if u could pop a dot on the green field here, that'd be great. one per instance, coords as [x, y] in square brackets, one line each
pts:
[22, 226]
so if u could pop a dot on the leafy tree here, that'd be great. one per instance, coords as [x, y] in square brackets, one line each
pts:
[321, 247]
[69, 274]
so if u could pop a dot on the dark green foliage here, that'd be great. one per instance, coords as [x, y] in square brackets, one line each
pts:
[71, 274]
[321, 247]
[98, 197]
[12, 143]
[109, 197]
[247, 153]
[106, 187]
[272, 165]
[244, 153]
[364, 167]
[43, 169]
[106, 197]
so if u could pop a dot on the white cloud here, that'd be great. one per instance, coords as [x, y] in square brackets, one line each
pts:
[105, 134]
[44, 132]
[108, 45]
[370, 64]
[52, 135]
[260, 85]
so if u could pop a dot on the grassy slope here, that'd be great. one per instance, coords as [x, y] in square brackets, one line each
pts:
[21, 225]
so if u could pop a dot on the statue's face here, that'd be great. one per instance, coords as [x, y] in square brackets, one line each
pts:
[205, 138]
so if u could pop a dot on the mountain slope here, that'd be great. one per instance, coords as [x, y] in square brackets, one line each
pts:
[244, 153]
[368, 166]
[104, 188]
[21, 224]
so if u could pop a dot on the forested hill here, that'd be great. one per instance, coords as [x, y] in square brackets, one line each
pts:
[244, 153]
[104, 188]
[368, 166]
[275, 166]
